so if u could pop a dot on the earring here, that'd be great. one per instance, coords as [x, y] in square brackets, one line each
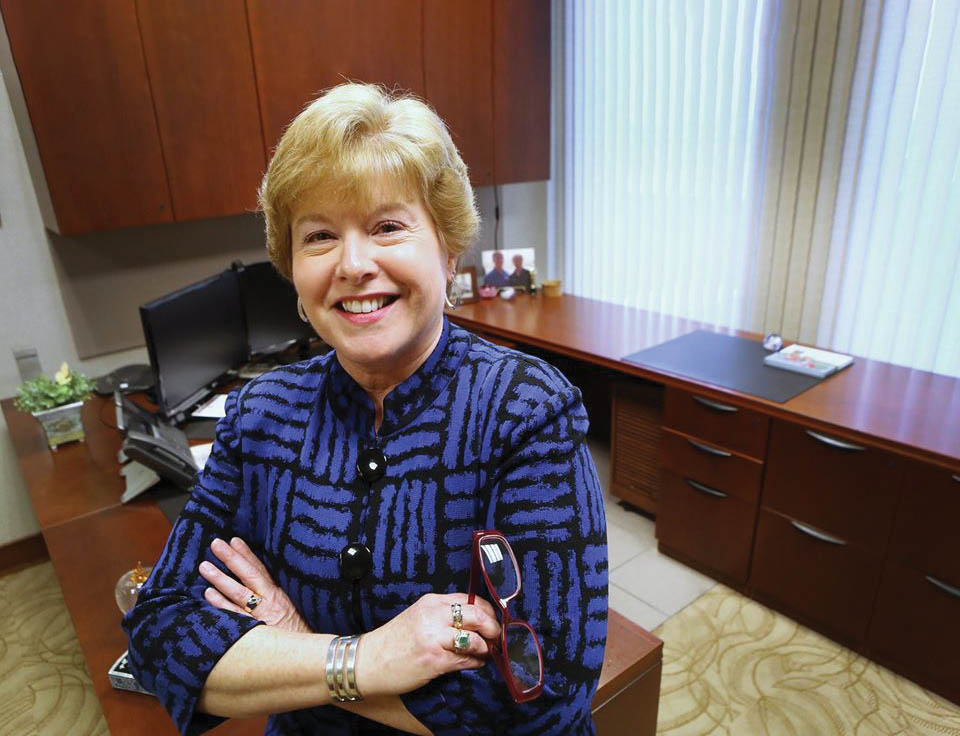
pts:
[453, 295]
[300, 311]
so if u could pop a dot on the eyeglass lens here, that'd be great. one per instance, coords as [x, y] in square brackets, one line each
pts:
[500, 568]
[523, 656]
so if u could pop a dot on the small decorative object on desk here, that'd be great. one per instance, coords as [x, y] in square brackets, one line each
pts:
[810, 361]
[121, 677]
[553, 287]
[509, 267]
[57, 403]
[467, 280]
[128, 586]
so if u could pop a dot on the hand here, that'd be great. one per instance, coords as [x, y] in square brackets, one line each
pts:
[276, 608]
[416, 646]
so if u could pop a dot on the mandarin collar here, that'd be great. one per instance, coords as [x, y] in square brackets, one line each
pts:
[355, 408]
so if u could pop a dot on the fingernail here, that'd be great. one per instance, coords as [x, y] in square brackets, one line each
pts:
[205, 566]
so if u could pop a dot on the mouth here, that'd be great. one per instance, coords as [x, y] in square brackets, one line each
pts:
[366, 304]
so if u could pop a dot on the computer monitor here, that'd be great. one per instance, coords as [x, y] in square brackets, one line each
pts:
[270, 310]
[194, 336]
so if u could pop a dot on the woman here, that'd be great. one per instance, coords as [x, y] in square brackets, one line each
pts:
[342, 493]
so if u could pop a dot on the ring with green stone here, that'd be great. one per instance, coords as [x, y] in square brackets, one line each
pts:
[461, 641]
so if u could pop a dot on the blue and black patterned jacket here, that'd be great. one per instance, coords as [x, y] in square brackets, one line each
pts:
[478, 437]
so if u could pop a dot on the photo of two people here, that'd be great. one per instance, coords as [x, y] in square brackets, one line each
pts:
[510, 267]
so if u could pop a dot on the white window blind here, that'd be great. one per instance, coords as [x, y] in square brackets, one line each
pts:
[892, 289]
[665, 117]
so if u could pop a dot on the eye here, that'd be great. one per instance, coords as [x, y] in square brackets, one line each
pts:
[317, 237]
[388, 227]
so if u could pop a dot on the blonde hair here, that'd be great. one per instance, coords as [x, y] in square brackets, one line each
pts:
[351, 139]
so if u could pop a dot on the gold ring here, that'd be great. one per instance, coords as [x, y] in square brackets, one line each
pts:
[457, 615]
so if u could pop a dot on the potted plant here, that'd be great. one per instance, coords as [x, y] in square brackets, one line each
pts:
[58, 403]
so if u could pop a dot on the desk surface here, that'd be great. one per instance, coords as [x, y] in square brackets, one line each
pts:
[915, 413]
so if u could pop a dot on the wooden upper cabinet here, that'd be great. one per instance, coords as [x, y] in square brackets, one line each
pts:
[201, 73]
[83, 75]
[457, 49]
[521, 90]
[302, 47]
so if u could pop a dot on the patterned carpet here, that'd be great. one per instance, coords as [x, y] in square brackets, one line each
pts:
[44, 686]
[731, 667]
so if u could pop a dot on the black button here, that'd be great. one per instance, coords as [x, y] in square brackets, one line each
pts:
[371, 464]
[355, 561]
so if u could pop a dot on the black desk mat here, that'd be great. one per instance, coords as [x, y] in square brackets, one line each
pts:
[724, 360]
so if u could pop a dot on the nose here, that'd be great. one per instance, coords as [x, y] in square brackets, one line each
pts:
[357, 263]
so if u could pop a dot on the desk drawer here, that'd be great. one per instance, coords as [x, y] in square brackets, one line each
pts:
[915, 627]
[844, 488]
[926, 533]
[718, 467]
[706, 526]
[832, 584]
[716, 421]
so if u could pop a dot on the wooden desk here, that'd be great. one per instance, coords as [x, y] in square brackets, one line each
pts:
[93, 539]
[833, 507]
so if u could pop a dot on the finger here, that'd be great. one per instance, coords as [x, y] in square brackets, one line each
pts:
[216, 599]
[246, 553]
[477, 619]
[478, 648]
[228, 587]
[239, 566]
[479, 602]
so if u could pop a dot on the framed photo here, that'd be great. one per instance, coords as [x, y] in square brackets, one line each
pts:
[467, 280]
[508, 267]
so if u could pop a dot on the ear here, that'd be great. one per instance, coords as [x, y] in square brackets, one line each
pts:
[451, 266]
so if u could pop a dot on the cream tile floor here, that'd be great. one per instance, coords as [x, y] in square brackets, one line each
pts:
[645, 586]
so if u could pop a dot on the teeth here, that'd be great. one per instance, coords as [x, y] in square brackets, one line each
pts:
[362, 306]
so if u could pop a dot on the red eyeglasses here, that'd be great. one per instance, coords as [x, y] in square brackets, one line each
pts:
[518, 655]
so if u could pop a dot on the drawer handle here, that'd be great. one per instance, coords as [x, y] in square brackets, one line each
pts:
[707, 449]
[817, 534]
[715, 405]
[957, 478]
[943, 586]
[705, 489]
[834, 442]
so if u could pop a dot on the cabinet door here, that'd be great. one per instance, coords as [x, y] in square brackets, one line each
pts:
[717, 421]
[83, 75]
[302, 47]
[201, 74]
[718, 467]
[830, 584]
[926, 533]
[706, 526]
[521, 90]
[844, 488]
[915, 627]
[457, 47]
[635, 444]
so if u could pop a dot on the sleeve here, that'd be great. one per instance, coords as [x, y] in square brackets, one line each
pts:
[175, 636]
[542, 492]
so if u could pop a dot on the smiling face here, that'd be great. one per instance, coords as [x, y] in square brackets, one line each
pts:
[372, 279]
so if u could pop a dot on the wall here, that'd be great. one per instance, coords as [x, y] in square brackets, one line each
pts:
[75, 298]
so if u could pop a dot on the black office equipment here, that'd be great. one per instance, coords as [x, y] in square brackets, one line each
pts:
[270, 310]
[128, 378]
[169, 461]
[724, 360]
[195, 337]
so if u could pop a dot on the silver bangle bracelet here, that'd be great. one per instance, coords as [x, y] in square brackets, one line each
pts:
[341, 669]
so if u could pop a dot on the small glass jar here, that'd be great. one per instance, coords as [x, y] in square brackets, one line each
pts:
[128, 586]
